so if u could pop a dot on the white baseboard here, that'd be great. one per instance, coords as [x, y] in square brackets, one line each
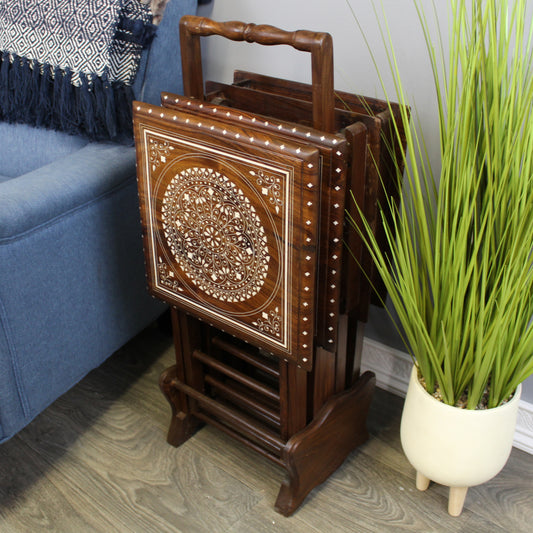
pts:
[523, 437]
[393, 368]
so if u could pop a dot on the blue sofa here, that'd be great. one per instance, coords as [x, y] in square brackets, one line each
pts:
[72, 281]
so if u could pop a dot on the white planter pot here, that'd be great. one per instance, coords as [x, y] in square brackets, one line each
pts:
[455, 447]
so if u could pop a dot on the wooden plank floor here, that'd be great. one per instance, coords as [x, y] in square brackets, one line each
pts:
[97, 461]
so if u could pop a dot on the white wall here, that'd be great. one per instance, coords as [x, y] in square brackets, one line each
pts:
[354, 70]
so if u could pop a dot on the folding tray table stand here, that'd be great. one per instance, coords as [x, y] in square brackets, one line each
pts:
[243, 218]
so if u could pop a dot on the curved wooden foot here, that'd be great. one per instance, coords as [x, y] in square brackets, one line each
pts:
[313, 454]
[422, 482]
[183, 425]
[456, 500]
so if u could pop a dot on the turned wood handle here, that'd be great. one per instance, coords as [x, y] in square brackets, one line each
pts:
[306, 41]
[319, 45]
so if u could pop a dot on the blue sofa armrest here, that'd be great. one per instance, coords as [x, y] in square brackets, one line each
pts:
[73, 286]
[39, 197]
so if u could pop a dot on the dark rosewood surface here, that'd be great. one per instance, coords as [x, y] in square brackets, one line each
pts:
[244, 190]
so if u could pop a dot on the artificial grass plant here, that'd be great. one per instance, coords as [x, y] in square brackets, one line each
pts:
[459, 268]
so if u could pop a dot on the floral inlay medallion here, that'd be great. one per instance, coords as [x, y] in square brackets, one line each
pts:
[215, 234]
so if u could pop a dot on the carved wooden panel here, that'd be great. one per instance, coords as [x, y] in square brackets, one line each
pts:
[334, 154]
[230, 224]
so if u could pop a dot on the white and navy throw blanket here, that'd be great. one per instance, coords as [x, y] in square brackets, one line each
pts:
[70, 64]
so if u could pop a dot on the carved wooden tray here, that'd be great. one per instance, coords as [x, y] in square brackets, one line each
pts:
[231, 225]
[334, 154]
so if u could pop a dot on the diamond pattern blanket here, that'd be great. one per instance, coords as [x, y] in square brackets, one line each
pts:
[70, 64]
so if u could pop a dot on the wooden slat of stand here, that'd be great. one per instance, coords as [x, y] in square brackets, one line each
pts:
[260, 363]
[237, 420]
[180, 362]
[190, 334]
[254, 385]
[232, 393]
[323, 375]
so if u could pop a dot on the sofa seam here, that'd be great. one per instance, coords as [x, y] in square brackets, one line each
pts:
[14, 361]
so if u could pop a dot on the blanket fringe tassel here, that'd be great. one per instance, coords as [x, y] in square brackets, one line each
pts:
[39, 95]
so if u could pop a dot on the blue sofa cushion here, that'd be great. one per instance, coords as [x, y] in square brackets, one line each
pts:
[41, 196]
[26, 148]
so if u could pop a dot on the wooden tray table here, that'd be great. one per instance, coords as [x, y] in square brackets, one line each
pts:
[243, 196]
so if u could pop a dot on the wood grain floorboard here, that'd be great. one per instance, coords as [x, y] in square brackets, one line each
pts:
[367, 495]
[255, 471]
[139, 482]
[97, 461]
[31, 499]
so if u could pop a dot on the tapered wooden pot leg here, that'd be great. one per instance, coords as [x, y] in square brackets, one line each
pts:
[182, 424]
[313, 454]
[422, 482]
[456, 500]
